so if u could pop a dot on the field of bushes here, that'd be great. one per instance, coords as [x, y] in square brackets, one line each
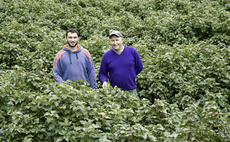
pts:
[183, 90]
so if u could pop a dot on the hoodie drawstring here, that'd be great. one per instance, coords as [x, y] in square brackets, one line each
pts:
[70, 56]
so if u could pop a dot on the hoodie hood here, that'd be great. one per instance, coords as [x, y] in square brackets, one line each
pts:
[75, 52]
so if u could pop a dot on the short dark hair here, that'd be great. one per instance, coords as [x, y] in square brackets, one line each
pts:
[71, 30]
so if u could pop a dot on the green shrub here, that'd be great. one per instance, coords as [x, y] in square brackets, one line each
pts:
[183, 74]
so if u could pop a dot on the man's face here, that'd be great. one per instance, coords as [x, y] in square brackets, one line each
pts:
[116, 43]
[72, 39]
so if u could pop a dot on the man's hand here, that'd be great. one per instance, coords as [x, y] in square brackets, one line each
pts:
[105, 84]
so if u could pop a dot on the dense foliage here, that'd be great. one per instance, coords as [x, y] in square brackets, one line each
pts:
[184, 88]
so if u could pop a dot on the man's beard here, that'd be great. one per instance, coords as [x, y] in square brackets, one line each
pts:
[72, 45]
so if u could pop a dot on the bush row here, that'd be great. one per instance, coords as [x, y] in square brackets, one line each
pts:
[33, 108]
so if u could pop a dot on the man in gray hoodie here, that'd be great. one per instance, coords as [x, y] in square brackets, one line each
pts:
[74, 62]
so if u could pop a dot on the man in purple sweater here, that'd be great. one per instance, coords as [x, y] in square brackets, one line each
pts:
[120, 65]
[74, 62]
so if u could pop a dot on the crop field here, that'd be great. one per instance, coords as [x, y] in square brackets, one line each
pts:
[183, 89]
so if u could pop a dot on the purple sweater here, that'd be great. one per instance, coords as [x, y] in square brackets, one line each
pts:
[121, 70]
[75, 65]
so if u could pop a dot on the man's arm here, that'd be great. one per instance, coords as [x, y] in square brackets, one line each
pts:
[90, 69]
[91, 74]
[138, 63]
[103, 73]
[57, 72]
